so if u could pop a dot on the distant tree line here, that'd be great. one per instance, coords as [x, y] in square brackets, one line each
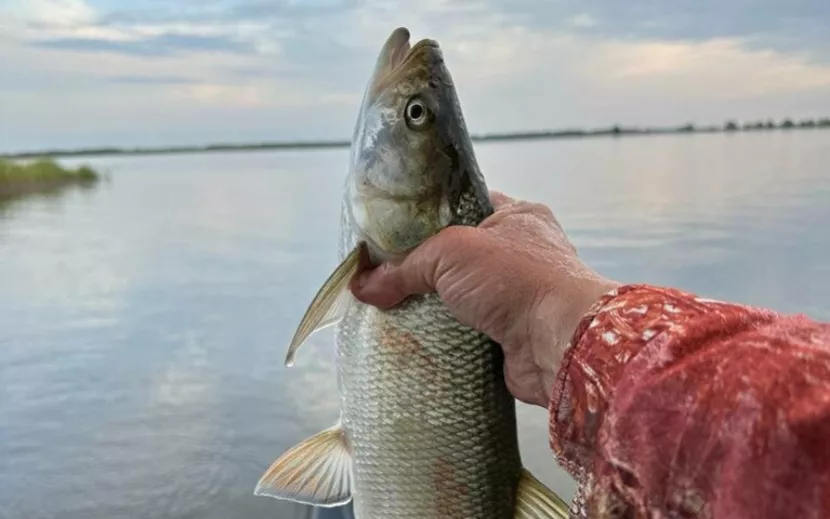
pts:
[769, 124]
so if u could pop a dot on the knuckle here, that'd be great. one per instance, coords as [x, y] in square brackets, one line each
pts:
[542, 210]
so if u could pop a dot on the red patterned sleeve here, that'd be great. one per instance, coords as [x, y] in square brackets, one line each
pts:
[670, 405]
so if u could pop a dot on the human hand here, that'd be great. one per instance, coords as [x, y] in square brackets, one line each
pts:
[515, 278]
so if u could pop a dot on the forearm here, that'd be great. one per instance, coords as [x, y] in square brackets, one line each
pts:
[669, 402]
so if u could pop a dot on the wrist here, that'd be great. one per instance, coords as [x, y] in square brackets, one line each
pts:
[559, 309]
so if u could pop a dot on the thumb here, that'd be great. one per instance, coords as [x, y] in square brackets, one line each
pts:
[388, 284]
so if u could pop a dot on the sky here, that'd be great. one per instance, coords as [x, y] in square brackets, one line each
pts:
[78, 73]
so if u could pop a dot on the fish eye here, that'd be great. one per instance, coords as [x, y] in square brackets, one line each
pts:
[417, 115]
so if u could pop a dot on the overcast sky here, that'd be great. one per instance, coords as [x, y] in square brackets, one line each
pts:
[153, 72]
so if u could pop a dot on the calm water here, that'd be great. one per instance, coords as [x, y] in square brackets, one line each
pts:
[143, 324]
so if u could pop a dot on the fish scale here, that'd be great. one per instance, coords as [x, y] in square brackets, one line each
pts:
[429, 418]
[423, 398]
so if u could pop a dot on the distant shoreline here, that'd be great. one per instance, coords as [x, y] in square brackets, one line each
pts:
[614, 131]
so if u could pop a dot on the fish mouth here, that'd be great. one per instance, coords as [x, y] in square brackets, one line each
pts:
[398, 50]
[397, 56]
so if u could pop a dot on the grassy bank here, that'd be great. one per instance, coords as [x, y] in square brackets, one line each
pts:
[18, 178]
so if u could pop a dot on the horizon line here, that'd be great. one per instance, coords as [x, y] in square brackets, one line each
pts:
[615, 131]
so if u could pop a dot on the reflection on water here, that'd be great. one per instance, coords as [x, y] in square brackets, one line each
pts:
[143, 324]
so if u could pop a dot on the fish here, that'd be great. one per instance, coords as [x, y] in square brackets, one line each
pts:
[427, 427]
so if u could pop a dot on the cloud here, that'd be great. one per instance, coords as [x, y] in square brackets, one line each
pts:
[798, 25]
[716, 68]
[55, 13]
[151, 80]
[153, 46]
[582, 20]
[230, 71]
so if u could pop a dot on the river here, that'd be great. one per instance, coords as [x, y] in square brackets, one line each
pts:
[143, 323]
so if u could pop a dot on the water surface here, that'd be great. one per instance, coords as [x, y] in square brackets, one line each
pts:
[143, 324]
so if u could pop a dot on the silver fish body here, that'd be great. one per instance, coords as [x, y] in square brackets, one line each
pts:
[424, 405]
[425, 409]
[427, 427]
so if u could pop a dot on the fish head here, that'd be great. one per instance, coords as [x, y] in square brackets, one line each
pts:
[412, 161]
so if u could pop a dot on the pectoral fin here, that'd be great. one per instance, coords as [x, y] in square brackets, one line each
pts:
[536, 501]
[329, 305]
[316, 472]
